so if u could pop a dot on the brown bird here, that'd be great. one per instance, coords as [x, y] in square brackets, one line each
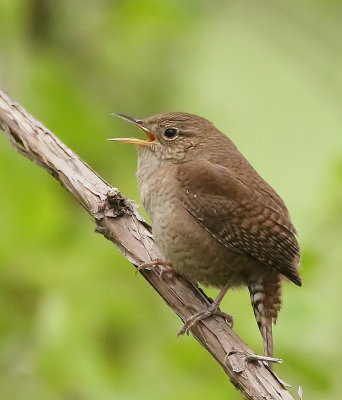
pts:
[214, 219]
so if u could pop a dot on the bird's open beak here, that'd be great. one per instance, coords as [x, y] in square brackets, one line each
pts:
[139, 123]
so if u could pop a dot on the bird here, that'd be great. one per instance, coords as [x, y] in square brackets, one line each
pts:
[214, 219]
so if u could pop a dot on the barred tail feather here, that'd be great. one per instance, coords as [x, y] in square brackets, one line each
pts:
[266, 332]
[266, 302]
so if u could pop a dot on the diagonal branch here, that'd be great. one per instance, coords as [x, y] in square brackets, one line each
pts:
[117, 219]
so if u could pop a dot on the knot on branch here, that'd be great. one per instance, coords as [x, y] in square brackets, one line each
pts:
[115, 205]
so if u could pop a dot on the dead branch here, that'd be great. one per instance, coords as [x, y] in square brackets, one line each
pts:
[117, 219]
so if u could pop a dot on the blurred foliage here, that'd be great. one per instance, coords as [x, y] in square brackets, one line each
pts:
[75, 323]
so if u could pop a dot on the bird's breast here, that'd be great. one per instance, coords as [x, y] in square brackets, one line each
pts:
[158, 190]
[191, 250]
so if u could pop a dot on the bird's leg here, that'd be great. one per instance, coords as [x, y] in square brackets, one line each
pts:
[166, 272]
[213, 309]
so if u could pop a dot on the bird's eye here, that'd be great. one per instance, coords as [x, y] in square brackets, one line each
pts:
[171, 133]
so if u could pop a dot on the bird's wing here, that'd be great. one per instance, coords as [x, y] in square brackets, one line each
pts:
[241, 218]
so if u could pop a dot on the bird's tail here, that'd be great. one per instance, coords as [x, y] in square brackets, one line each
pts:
[266, 302]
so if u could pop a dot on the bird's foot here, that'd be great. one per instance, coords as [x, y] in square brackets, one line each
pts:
[256, 357]
[166, 273]
[213, 309]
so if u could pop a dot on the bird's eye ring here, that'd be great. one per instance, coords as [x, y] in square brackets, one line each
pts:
[171, 133]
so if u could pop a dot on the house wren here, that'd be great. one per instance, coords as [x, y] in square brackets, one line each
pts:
[214, 219]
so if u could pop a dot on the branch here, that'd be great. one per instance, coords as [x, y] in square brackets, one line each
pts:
[117, 219]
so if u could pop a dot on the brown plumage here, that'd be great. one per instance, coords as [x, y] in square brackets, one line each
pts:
[213, 217]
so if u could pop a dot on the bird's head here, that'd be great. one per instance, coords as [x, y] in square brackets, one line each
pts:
[173, 136]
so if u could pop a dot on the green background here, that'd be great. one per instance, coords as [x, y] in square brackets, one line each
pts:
[75, 321]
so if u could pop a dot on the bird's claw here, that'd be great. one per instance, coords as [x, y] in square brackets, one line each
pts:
[165, 273]
[200, 315]
[256, 357]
